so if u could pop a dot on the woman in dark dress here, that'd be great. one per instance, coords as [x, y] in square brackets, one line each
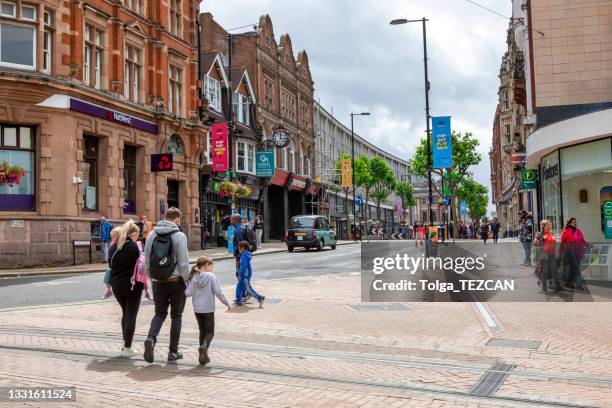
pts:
[123, 257]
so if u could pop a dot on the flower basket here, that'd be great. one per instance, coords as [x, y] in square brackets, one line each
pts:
[233, 189]
[10, 175]
[243, 190]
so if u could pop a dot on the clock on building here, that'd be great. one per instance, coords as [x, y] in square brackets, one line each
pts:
[280, 137]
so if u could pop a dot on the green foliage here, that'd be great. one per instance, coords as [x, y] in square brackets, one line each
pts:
[405, 192]
[475, 195]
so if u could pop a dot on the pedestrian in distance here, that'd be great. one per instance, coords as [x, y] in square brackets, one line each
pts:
[484, 231]
[167, 261]
[526, 235]
[572, 250]
[105, 229]
[108, 290]
[203, 287]
[245, 272]
[547, 259]
[495, 229]
[123, 259]
[258, 227]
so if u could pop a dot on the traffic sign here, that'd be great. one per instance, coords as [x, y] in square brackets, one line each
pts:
[359, 200]
[162, 162]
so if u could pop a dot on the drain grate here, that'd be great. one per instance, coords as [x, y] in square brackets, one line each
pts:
[492, 380]
[378, 307]
[524, 344]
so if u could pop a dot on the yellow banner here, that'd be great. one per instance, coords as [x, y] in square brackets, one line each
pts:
[346, 173]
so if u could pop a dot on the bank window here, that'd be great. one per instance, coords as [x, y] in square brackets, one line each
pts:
[89, 171]
[28, 12]
[17, 46]
[93, 57]
[132, 76]
[17, 147]
[245, 157]
[175, 90]
[47, 41]
[9, 9]
[129, 179]
[135, 5]
[175, 17]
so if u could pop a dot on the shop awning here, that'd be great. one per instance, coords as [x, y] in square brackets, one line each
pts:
[280, 177]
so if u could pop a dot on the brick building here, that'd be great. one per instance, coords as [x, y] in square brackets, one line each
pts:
[284, 93]
[88, 91]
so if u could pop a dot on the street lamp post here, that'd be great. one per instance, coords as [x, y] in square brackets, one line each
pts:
[427, 117]
[353, 164]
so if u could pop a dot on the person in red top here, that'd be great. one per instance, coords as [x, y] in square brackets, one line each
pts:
[548, 259]
[572, 250]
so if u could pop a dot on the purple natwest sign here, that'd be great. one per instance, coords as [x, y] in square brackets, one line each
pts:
[114, 116]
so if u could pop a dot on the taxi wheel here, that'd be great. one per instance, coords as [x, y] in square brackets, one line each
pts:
[320, 245]
[333, 247]
[290, 248]
[307, 248]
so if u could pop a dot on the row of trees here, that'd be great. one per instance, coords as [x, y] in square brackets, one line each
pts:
[378, 182]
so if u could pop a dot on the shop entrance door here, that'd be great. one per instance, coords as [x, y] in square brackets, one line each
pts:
[173, 194]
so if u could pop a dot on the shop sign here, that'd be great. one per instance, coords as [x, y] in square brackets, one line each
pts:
[220, 156]
[313, 189]
[607, 210]
[518, 159]
[442, 142]
[551, 171]
[87, 108]
[264, 163]
[528, 179]
[129, 207]
[346, 173]
[162, 162]
[297, 183]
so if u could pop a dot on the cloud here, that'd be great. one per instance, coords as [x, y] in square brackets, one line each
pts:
[360, 62]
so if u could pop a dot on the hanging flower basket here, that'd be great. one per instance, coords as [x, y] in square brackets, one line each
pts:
[10, 175]
[233, 189]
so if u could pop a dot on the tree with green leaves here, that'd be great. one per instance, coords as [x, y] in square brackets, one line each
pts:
[343, 156]
[465, 155]
[363, 177]
[384, 181]
[405, 193]
[476, 197]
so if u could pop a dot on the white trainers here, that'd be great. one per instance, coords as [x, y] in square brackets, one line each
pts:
[127, 352]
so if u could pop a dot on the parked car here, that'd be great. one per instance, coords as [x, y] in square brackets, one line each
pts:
[309, 231]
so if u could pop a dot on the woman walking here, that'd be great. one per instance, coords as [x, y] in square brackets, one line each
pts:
[484, 232]
[258, 226]
[547, 265]
[123, 258]
[203, 286]
[572, 250]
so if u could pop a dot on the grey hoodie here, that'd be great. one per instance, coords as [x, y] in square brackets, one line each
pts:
[204, 287]
[179, 246]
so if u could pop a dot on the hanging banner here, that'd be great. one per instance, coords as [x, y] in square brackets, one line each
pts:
[346, 173]
[264, 163]
[442, 142]
[463, 208]
[528, 179]
[218, 139]
[607, 211]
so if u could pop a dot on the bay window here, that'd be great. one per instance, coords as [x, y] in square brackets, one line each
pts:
[17, 148]
[245, 157]
[241, 109]
[213, 93]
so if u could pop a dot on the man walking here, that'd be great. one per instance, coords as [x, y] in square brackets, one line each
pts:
[526, 235]
[167, 261]
[105, 229]
[495, 229]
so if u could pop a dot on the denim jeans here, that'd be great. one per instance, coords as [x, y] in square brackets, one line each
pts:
[527, 248]
[166, 295]
[244, 286]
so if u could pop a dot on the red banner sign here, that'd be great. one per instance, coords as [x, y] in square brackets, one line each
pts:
[220, 157]
[297, 183]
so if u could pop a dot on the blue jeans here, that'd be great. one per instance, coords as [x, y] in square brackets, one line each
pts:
[527, 248]
[244, 285]
[107, 276]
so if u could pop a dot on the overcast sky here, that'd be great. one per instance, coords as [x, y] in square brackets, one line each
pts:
[361, 63]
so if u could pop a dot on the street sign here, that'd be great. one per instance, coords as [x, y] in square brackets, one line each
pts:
[161, 162]
[218, 139]
[346, 173]
[359, 200]
[607, 210]
[264, 163]
[442, 142]
[528, 179]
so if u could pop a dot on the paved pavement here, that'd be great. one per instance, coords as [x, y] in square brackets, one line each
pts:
[315, 345]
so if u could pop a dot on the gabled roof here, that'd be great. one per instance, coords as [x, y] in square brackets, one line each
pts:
[240, 75]
[212, 59]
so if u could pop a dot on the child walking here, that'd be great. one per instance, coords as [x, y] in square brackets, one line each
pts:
[203, 286]
[108, 291]
[244, 275]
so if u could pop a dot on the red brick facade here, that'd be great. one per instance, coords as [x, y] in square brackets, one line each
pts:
[139, 63]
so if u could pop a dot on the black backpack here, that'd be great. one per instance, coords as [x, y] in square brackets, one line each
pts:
[162, 260]
[250, 236]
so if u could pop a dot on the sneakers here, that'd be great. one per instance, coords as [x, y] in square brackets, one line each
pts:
[149, 350]
[174, 355]
[127, 352]
[261, 301]
[107, 293]
[204, 359]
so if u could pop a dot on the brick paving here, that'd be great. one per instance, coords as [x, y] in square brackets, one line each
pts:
[309, 349]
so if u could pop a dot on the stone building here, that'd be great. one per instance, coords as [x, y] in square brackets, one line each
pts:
[284, 92]
[88, 92]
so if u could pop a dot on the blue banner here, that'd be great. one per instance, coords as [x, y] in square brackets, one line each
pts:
[441, 142]
[463, 208]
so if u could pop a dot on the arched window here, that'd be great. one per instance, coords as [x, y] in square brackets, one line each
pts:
[175, 145]
[302, 159]
[291, 163]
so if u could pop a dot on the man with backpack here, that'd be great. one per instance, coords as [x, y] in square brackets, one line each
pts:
[167, 261]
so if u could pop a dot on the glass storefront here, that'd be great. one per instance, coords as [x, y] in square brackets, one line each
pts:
[576, 181]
